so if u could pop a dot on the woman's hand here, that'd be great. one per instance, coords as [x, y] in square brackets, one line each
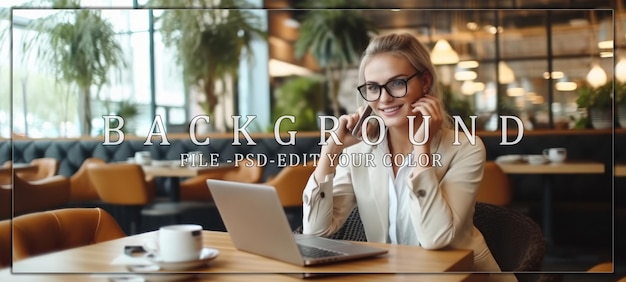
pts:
[332, 149]
[344, 133]
[427, 106]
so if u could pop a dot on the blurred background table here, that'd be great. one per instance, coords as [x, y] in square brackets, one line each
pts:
[548, 171]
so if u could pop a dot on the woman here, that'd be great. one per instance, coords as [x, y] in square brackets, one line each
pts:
[419, 185]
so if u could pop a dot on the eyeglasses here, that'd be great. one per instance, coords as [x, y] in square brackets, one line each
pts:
[397, 88]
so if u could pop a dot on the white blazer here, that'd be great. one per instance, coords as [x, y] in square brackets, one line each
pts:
[442, 202]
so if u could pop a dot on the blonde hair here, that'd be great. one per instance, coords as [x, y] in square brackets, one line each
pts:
[407, 46]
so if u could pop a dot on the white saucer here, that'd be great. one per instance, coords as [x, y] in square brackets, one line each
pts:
[206, 255]
[509, 158]
[536, 159]
[142, 276]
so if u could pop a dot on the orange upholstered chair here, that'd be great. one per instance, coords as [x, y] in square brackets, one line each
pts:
[81, 188]
[495, 187]
[5, 178]
[602, 267]
[195, 188]
[290, 182]
[5, 243]
[55, 230]
[125, 185]
[46, 167]
[39, 195]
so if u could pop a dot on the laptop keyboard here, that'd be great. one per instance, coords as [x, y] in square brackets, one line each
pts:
[313, 252]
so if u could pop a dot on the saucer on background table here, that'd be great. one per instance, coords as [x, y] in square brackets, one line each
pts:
[206, 255]
[509, 158]
[536, 159]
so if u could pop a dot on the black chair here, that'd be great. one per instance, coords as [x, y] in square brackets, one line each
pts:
[351, 230]
[514, 239]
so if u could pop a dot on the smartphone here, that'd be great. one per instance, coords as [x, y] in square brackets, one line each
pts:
[356, 131]
[134, 250]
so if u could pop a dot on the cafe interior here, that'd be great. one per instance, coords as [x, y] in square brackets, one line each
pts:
[105, 141]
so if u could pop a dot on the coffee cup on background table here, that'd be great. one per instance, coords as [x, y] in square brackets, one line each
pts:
[178, 243]
[143, 157]
[555, 155]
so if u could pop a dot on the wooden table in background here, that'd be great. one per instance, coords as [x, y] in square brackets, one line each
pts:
[547, 171]
[620, 170]
[250, 267]
[6, 171]
[175, 172]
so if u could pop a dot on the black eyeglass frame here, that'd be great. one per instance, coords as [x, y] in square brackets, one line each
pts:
[380, 89]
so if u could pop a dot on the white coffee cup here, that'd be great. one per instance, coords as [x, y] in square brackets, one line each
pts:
[180, 242]
[143, 157]
[555, 155]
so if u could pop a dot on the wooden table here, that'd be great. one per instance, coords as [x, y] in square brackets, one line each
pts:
[7, 276]
[175, 172]
[400, 259]
[18, 167]
[548, 170]
[620, 170]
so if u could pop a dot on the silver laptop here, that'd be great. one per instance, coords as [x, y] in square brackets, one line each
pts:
[256, 222]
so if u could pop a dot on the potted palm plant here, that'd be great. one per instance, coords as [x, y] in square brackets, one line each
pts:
[210, 40]
[597, 102]
[335, 38]
[297, 97]
[79, 47]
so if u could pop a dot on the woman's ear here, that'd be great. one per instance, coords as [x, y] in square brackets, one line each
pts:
[427, 80]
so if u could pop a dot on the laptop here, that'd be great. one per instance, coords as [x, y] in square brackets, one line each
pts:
[256, 221]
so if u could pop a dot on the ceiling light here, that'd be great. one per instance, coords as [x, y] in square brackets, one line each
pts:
[555, 75]
[472, 26]
[467, 88]
[515, 91]
[596, 76]
[566, 86]
[443, 54]
[620, 70]
[278, 68]
[606, 44]
[506, 74]
[479, 86]
[470, 64]
[290, 22]
[608, 54]
[465, 75]
[537, 100]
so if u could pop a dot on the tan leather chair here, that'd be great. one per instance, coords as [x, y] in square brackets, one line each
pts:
[5, 243]
[290, 182]
[81, 188]
[46, 167]
[602, 267]
[55, 230]
[125, 185]
[495, 187]
[195, 188]
[39, 195]
[5, 178]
